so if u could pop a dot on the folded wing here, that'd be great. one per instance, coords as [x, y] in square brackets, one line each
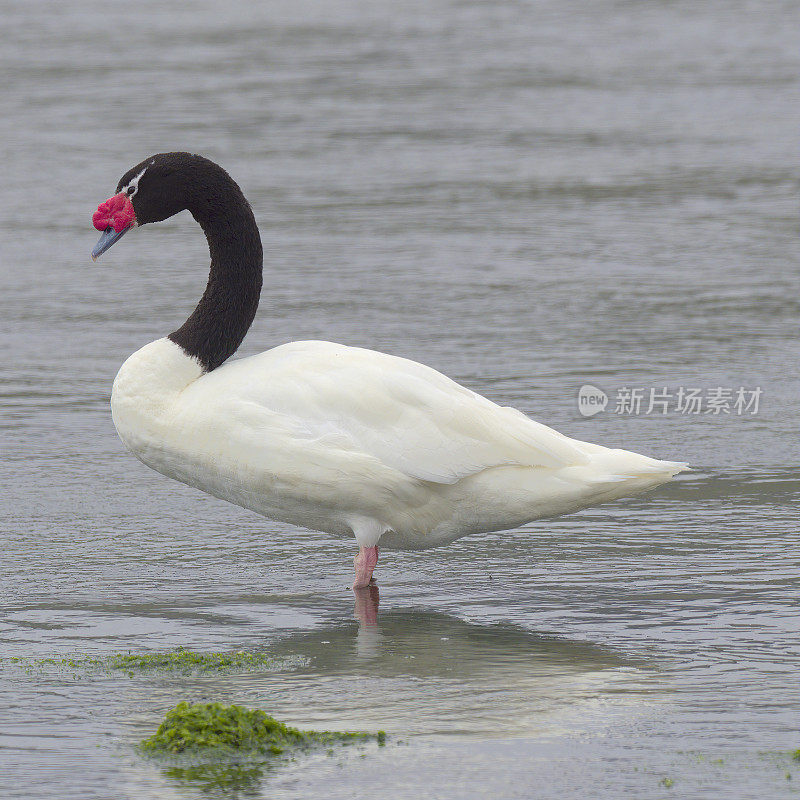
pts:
[408, 416]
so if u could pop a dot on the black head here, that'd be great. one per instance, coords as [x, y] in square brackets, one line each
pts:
[158, 188]
[167, 183]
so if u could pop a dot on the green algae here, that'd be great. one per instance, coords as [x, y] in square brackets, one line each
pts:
[193, 729]
[180, 660]
[183, 660]
[796, 755]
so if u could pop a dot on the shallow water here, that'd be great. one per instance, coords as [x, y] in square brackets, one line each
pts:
[528, 197]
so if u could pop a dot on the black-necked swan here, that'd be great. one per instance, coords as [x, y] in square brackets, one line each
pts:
[333, 438]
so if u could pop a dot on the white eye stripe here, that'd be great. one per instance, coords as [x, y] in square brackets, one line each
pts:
[133, 184]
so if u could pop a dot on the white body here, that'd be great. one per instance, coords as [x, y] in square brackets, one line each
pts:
[352, 441]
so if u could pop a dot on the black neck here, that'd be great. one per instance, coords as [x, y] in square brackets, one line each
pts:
[227, 308]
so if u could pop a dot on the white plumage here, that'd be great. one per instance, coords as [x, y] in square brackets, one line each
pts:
[352, 441]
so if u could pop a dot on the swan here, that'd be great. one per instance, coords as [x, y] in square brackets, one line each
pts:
[333, 438]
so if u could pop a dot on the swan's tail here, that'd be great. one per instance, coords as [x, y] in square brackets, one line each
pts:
[611, 474]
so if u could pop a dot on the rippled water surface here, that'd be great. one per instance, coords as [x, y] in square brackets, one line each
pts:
[529, 197]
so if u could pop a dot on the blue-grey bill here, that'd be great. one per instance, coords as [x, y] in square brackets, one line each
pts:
[106, 240]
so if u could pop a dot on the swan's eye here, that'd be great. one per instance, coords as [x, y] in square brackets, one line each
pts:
[130, 191]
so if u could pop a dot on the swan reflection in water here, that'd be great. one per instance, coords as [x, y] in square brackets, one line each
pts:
[425, 673]
[421, 672]
[367, 601]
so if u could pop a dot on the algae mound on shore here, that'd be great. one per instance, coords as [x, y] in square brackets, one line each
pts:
[192, 728]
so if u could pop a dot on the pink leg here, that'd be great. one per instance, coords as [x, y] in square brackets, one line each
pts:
[365, 562]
